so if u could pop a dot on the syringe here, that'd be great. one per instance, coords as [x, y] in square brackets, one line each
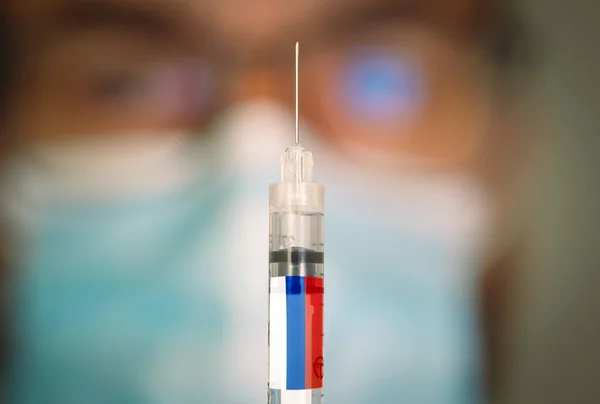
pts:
[296, 274]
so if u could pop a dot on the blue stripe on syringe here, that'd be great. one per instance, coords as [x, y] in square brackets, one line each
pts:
[296, 332]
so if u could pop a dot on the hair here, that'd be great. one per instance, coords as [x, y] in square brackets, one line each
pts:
[7, 62]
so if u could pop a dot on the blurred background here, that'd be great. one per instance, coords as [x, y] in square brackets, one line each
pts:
[456, 144]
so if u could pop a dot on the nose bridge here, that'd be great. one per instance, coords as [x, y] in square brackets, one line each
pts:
[258, 82]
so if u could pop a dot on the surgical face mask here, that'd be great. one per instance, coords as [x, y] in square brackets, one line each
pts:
[114, 272]
[167, 301]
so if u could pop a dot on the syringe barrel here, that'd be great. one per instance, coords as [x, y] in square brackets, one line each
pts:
[296, 216]
[296, 286]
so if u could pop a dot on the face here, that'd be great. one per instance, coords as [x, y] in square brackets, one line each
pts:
[402, 77]
[398, 81]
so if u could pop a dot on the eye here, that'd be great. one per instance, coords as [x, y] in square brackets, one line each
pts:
[123, 86]
[380, 86]
[170, 88]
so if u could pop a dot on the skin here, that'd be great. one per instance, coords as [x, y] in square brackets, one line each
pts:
[70, 49]
[65, 86]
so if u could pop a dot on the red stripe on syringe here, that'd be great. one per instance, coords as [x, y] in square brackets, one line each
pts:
[314, 333]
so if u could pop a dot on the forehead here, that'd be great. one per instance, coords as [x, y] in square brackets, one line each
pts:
[237, 20]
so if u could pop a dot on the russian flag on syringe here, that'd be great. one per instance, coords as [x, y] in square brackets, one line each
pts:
[296, 333]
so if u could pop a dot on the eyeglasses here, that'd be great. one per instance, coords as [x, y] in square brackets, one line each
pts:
[406, 87]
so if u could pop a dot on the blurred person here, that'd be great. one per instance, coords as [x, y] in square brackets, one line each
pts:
[142, 139]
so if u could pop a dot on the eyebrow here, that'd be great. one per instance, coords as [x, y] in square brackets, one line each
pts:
[164, 24]
[375, 13]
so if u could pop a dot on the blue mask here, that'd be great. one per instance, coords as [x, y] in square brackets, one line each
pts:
[163, 299]
[401, 307]
[116, 298]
